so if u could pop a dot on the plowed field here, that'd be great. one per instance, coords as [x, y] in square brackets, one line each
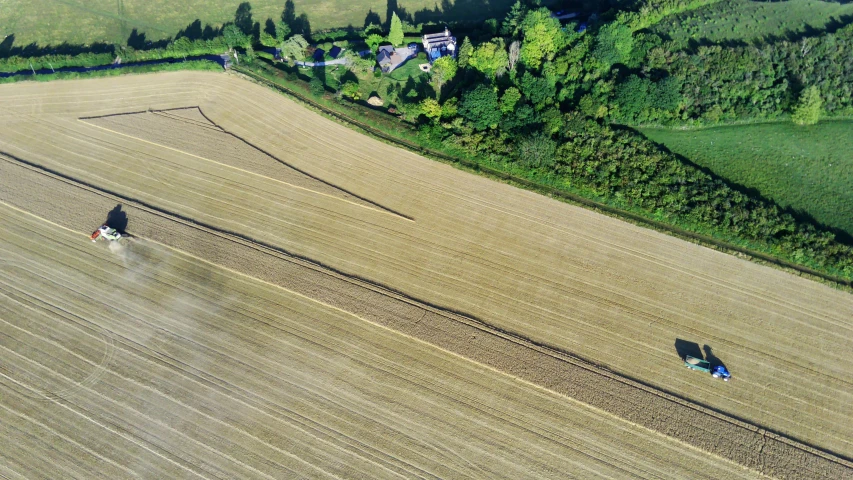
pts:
[444, 357]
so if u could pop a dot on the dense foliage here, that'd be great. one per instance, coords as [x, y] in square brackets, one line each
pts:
[548, 117]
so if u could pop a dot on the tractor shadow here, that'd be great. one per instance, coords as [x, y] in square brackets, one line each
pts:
[117, 219]
[685, 348]
[709, 356]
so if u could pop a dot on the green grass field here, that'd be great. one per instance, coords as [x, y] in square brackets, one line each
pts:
[88, 21]
[749, 20]
[807, 168]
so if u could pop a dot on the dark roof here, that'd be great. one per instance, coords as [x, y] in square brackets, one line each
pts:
[386, 48]
[335, 51]
[319, 54]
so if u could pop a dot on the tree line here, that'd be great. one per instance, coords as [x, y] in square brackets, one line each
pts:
[544, 101]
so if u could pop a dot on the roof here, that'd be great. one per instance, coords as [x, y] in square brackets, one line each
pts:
[437, 36]
[390, 58]
[335, 51]
[439, 44]
[319, 54]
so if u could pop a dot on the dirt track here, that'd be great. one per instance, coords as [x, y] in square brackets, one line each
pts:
[613, 293]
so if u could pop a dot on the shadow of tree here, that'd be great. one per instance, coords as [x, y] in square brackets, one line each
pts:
[137, 41]
[372, 18]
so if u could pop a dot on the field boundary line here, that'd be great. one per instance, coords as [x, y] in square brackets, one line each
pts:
[625, 215]
[786, 451]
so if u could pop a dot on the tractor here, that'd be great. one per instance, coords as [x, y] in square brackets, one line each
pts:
[701, 365]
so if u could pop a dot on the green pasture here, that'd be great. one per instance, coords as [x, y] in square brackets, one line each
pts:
[749, 20]
[809, 169]
[50, 22]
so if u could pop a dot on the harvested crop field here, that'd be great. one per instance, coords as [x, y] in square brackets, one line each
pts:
[303, 300]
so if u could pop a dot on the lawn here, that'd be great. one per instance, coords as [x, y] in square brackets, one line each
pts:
[749, 20]
[111, 21]
[809, 169]
[407, 83]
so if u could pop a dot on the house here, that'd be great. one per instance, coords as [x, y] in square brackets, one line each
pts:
[390, 58]
[335, 51]
[319, 55]
[439, 44]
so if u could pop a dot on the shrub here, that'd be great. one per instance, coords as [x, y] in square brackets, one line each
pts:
[316, 87]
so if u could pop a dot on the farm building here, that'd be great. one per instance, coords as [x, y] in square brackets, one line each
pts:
[439, 44]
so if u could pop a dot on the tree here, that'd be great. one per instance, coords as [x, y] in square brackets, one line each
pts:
[480, 107]
[809, 108]
[538, 89]
[234, 37]
[316, 87]
[514, 54]
[465, 52]
[431, 109]
[282, 30]
[267, 40]
[509, 99]
[449, 109]
[373, 40]
[633, 98]
[350, 90]
[443, 70]
[543, 37]
[372, 28]
[358, 65]
[294, 47]
[250, 55]
[537, 150]
[613, 45]
[395, 35]
[489, 58]
[512, 22]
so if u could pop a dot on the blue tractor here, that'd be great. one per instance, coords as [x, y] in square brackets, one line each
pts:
[718, 371]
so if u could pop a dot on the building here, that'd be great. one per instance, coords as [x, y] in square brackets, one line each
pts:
[439, 45]
[390, 58]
